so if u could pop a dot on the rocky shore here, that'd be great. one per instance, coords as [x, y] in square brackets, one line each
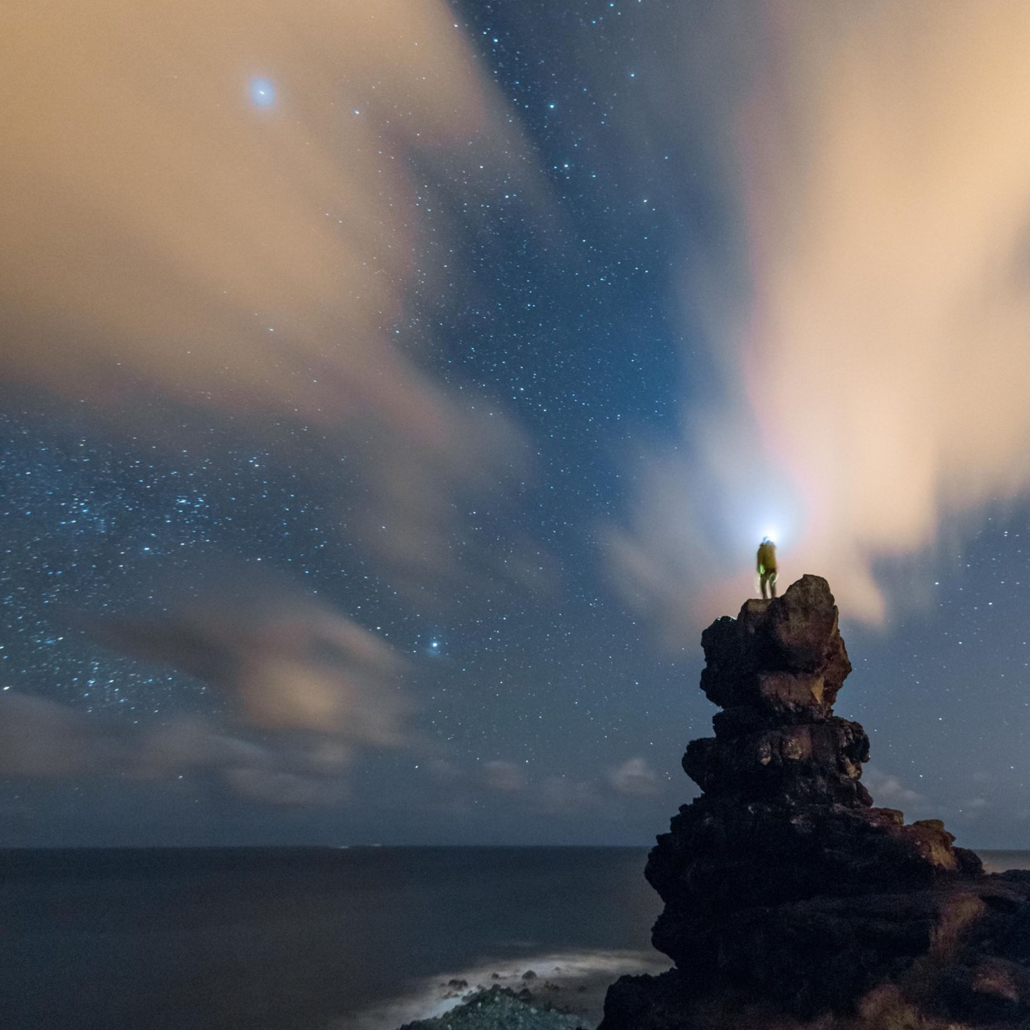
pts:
[789, 898]
[500, 1008]
[554, 991]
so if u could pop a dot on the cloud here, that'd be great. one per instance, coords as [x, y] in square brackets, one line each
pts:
[290, 663]
[977, 804]
[504, 776]
[165, 236]
[42, 739]
[866, 305]
[889, 792]
[188, 743]
[149, 202]
[558, 795]
[305, 692]
[633, 777]
[443, 772]
[281, 787]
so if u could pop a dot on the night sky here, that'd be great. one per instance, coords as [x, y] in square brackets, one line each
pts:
[390, 397]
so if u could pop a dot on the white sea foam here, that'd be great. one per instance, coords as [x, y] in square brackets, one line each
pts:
[577, 980]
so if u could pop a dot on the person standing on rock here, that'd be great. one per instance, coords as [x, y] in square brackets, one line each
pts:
[767, 567]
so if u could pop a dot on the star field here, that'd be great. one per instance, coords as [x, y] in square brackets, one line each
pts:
[473, 673]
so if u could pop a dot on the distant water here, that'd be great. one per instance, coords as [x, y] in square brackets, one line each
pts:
[311, 939]
[301, 939]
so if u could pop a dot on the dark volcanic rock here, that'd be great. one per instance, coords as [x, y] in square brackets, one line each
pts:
[785, 890]
[499, 1009]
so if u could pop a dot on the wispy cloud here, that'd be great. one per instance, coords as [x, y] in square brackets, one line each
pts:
[305, 691]
[504, 776]
[866, 304]
[635, 776]
[889, 792]
[287, 662]
[167, 237]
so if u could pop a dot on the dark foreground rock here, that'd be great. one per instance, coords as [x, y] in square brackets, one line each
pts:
[788, 896]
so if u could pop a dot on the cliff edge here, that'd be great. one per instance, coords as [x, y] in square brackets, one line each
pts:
[788, 895]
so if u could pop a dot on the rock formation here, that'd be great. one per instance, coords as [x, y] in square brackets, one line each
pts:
[786, 893]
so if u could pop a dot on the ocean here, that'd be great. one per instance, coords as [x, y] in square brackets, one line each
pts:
[315, 938]
[309, 938]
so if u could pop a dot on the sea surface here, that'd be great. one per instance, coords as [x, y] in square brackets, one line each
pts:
[314, 938]
[306, 938]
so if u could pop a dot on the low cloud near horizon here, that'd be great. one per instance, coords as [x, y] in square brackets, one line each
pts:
[302, 691]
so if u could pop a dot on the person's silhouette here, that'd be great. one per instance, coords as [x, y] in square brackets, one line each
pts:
[767, 567]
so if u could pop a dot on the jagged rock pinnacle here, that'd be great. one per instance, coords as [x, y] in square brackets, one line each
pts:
[783, 885]
[776, 671]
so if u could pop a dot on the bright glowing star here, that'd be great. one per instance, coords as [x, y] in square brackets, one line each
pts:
[771, 533]
[434, 644]
[262, 92]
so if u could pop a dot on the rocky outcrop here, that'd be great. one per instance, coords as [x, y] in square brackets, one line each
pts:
[499, 1008]
[786, 892]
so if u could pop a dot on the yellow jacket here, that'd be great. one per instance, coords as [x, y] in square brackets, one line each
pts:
[766, 558]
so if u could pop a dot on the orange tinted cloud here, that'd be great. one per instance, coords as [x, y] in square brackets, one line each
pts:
[156, 220]
[284, 662]
[886, 354]
[164, 234]
[873, 334]
[303, 691]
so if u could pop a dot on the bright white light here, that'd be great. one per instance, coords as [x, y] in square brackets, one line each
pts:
[262, 92]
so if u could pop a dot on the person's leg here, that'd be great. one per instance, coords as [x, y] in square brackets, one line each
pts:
[765, 583]
[772, 584]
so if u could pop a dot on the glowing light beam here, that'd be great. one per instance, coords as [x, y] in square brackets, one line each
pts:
[262, 92]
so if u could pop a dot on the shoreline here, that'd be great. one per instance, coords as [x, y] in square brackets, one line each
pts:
[573, 982]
